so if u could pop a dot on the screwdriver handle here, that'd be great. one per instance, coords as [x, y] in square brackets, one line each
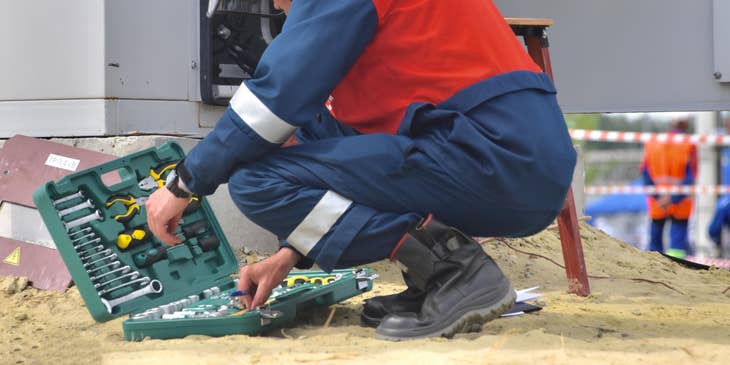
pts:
[209, 243]
[149, 257]
[133, 237]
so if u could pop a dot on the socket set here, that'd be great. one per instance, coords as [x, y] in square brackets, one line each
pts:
[120, 268]
[217, 311]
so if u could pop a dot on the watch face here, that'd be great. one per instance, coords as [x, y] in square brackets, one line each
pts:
[171, 185]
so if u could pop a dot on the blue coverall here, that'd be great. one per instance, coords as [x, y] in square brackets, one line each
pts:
[493, 158]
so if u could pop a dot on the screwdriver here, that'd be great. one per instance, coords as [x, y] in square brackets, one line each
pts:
[133, 237]
[149, 257]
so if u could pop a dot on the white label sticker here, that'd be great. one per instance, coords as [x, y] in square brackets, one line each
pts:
[66, 163]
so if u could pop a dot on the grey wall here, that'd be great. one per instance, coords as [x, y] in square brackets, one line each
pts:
[51, 49]
[152, 47]
[624, 56]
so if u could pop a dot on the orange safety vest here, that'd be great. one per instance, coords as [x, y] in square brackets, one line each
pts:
[666, 164]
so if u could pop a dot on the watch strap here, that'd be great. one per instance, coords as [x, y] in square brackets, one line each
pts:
[174, 188]
[182, 172]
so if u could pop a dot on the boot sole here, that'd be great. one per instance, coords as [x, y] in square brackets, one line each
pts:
[470, 320]
[370, 321]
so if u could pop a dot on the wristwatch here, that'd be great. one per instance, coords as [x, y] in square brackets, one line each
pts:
[172, 185]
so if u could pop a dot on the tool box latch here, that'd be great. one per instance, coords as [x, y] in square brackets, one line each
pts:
[267, 315]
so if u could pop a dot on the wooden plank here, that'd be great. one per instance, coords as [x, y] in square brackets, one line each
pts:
[533, 22]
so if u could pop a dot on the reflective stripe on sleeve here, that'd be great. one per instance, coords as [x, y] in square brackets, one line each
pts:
[258, 116]
[318, 222]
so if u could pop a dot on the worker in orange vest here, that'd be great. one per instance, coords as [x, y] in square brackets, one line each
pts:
[666, 164]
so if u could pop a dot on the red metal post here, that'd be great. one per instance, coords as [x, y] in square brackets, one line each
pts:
[575, 266]
[537, 47]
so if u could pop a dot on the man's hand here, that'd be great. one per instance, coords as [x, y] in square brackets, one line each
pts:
[259, 279]
[164, 212]
[664, 201]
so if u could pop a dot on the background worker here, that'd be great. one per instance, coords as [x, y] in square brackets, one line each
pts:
[664, 165]
[721, 218]
[410, 131]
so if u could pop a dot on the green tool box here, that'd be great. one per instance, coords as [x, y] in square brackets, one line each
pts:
[97, 219]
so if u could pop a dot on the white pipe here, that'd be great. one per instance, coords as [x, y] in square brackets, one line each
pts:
[706, 122]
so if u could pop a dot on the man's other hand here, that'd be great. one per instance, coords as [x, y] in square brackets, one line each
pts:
[259, 279]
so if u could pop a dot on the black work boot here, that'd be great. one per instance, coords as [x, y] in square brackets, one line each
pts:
[464, 287]
[409, 300]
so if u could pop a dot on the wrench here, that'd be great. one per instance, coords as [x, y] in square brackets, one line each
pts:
[95, 240]
[112, 264]
[83, 220]
[106, 252]
[144, 280]
[132, 275]
[92, 234]
[79, 194]
[96, 248]
[87, 204]
[123, 269]
[111, 257]
[81, 231]
[154, 286]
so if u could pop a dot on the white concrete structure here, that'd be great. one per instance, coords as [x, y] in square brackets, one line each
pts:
[93, 67]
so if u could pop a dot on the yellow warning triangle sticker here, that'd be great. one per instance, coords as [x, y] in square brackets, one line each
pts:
[13, 258]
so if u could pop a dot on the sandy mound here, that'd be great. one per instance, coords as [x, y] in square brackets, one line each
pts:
[643, 308]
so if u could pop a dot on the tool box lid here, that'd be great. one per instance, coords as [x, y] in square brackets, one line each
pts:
[187, 268]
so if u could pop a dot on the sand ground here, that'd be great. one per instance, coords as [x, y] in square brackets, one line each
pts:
[643, 309]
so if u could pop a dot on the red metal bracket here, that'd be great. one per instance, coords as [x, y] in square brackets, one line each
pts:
[534, 34]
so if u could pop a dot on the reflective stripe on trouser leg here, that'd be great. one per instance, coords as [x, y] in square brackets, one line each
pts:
[318, 222]
[352, 234]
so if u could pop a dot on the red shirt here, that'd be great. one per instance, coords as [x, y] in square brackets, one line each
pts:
[424, 51]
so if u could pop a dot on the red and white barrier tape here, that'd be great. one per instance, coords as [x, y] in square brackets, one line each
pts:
[641, 137]
[639, 189]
